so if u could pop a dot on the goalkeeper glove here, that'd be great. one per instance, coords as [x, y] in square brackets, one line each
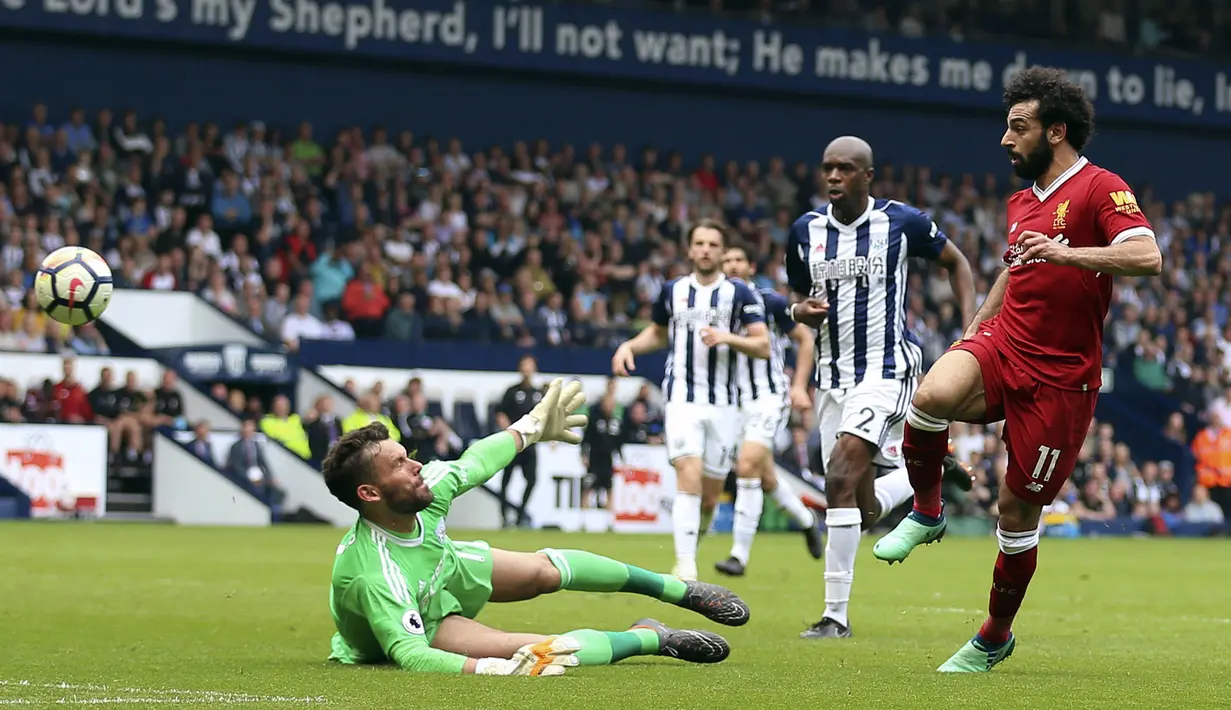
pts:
[546, 658]
[553, 417]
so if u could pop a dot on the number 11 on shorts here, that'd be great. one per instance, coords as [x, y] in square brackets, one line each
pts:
[1044, 453]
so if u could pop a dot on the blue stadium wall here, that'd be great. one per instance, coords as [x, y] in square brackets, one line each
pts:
[182, 84]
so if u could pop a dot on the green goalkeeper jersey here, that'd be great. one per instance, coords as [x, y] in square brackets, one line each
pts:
[390, 591]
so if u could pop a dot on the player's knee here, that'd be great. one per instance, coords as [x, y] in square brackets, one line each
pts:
[848, 464]
[1016, 515]
[547, 577]
[1017, 542]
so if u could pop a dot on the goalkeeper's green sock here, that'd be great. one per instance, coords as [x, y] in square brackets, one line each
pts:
[601, 648]
[586, 572]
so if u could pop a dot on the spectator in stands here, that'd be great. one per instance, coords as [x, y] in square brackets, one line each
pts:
[402, 322]
[246, 460]
[332, 326]
[1212, 451]
[285, 427]
[1093, 502]
[1203, 511]
[104, 401]
[70, 401]
[200, 445]
[300, 323]
[322, 426]
[368, 411]
[130, 401]
[10, 403]
[87, 340]
[168, 404]
[364, 301]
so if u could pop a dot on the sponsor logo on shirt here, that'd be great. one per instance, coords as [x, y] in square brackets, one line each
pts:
[1126, 202]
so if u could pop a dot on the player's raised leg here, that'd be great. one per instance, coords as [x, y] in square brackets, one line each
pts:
[807, 520]
[952, 389]
[518, 576]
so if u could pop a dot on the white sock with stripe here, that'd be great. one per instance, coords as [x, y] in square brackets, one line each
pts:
[749, 501]
[686, 518]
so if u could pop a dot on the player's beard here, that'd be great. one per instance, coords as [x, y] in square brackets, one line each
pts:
[406, 502]
[1035, 163]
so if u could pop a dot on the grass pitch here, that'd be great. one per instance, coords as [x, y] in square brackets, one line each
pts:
[152, 615]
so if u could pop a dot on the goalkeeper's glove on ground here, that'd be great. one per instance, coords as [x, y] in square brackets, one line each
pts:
[553, 418]
[546, 658]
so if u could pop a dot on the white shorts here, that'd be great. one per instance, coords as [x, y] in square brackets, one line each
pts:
[873, 410]
[705, 430]
[763, 420]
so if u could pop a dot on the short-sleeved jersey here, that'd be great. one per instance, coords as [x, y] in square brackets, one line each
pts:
[861, 269]
[696, 372]
[1051, 322]
[384, 585]
[766, 379]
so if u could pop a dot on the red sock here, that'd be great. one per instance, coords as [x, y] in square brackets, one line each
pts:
[1009, 581]
[925, 453]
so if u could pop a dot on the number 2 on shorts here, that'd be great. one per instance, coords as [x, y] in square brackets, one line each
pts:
[1044, 451]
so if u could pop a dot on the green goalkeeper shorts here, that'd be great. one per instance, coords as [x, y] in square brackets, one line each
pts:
[468, 590]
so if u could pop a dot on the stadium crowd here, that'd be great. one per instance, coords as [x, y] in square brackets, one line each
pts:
[1192, 28]
[375, 234]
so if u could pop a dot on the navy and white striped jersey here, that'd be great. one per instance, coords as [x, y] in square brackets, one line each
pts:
[766, 379]
[860, 269]
[696, 372]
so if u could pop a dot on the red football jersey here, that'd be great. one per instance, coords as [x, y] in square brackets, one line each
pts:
[1051, 322]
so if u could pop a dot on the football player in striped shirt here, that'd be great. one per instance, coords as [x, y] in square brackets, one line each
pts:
[847, 267]
[404, 592]
[766, 399]
[705, 320]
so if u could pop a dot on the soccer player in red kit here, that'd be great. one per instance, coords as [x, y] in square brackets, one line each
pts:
[1032, 357]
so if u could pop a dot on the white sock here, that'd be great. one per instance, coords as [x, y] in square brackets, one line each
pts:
[749, 501]
[794, 507]
[686, 516]
[841, 545]
[893, 490]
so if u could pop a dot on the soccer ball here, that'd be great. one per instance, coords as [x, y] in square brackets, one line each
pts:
[73, 285]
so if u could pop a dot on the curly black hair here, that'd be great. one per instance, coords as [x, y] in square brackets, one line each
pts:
[349, 463]
[1061, 100]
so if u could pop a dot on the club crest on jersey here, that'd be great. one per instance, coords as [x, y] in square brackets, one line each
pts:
[1062, 211]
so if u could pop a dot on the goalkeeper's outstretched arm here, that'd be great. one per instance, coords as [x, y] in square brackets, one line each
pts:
[552, 419]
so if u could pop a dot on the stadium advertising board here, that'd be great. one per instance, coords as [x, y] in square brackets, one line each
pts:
[232, 363]
[641, 45]
[641, 495]
[61, 468]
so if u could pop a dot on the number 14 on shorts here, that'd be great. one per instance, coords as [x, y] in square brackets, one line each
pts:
[1044, 467]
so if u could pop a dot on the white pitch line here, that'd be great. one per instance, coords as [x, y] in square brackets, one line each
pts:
[160, 695]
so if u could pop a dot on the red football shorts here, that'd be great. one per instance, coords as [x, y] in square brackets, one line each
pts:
[1044, 426]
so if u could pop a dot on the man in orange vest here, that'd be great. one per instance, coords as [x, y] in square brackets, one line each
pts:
[1212, 449]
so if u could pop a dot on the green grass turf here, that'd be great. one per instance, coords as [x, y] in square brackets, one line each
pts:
[158, 615]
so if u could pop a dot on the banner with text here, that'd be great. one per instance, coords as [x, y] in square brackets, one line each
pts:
[61, 468]
[642, 491]
[632, 44]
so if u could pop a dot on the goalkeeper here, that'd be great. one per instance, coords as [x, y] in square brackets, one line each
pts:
[403, 591]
